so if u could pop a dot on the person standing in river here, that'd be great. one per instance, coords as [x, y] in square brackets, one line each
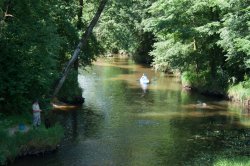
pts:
[36, 113]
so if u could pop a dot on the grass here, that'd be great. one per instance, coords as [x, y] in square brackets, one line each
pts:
[237, 161]
[240, 91]
[204, 83]
[36, 140]
[219, 160]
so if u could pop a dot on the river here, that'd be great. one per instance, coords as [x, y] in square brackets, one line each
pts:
[123, 123]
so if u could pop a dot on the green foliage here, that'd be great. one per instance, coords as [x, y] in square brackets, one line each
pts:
[186, 32]
[35, 140]
[235, 161]
[204, 83]
[169, 54]
[70, 88]
[116, 27]
[37, 38]
[28, 54]
[121, 29]
[235, 37]
[240, 91]
[209, 39]
[141, 54]
[14, 143]
[91, 51]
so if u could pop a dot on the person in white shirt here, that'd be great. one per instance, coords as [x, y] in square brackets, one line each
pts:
[36, 113]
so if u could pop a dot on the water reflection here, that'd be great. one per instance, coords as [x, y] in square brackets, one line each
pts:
[117, 126]
[144, 87]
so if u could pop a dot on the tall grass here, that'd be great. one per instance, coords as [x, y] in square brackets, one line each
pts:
[22, 143]
[237, 161]
[204, 83]
[240, 91]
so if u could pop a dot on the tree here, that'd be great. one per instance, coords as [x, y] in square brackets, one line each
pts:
[28, 46]
[80, 46]
[36, 39]
[121, 29]
[235, 37]
[187, 33]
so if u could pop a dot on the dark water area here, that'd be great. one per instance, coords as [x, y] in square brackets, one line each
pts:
[124, 123]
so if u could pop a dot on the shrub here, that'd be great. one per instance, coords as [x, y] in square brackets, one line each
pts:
[205, 83]
[34, 141]
[240, 91]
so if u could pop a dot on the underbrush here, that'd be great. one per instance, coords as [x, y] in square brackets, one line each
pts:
[234, 161]
[240, 92]
[20, 143]
[204, 83]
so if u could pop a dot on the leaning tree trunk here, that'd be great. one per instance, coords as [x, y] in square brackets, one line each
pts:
[79, 27]
[80, 45]
[79, 15]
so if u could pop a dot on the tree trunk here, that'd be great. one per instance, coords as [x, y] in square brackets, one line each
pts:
[79, 15]
[79, 27]
[80, 45]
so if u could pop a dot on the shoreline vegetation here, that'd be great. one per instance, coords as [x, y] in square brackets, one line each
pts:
[212, 51]
[19, 138]
[237, 92]
[18, 142]
[222, 87]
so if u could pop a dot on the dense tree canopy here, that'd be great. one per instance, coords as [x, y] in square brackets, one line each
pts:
[29, 45]
[36, 40]
[120, 29]
[208, 41]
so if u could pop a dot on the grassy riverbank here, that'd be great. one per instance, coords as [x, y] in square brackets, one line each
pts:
[239, 92]
[234, 161]
[17, 142]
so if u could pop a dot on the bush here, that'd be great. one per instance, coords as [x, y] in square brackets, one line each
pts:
[205, 83]
[34, 141]
[240, 91]
[70, 89]
[237, 161]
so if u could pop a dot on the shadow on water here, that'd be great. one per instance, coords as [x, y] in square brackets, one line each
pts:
[83, 122]
[205, 139]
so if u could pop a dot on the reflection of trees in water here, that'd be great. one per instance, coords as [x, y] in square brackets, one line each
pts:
[76, 123]
[200, 140]
[90, 122]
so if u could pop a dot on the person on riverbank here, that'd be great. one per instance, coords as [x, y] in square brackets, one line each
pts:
[36, 113]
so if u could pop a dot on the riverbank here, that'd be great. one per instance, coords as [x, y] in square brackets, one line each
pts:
[18, 138]
[238, 93]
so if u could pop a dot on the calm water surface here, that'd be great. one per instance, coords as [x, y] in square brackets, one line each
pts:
[124, 123]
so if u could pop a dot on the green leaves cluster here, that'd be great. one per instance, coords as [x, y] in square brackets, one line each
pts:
[120, 29]
[207, 38]
[201, 36]
[28, 46]
[37, 38]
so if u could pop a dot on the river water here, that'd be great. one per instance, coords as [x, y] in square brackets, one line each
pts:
[124, 123]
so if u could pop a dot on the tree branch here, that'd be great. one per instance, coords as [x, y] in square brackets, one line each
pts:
[6, 13]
